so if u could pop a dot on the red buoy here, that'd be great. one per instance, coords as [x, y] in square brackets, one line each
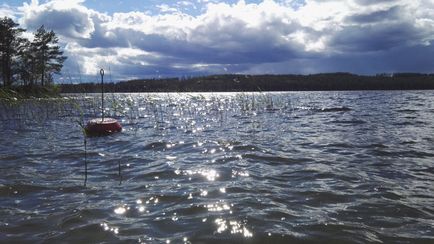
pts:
[101, 127]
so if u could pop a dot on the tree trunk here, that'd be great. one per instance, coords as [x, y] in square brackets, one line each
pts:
[32, 74]
[43, 69]
[7, 71]
[4, 72]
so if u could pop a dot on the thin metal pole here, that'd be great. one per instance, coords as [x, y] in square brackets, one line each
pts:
[102, 93]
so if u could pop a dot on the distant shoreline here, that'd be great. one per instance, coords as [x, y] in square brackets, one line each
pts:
[249, 83]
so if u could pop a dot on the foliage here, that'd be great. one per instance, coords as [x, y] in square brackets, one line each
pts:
[49, 58]
[28, 62]
[220, 83]
[24, 92]
[9, 41]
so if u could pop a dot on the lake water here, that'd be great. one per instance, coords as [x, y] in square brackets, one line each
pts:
[297, 167]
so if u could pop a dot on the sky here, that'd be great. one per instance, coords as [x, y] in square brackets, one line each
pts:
[153, 39]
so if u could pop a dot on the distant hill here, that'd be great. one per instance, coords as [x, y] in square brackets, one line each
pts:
[232, 83]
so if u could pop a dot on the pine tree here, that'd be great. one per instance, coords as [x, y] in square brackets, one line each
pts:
[26, 63]
[49, 58]
[9, 41]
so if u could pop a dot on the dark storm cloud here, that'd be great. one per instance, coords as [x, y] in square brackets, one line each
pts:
[400, 59]
[375, 37]
[230, 42]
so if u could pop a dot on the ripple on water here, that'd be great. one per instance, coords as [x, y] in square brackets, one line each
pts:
[299, 167]
[89, 232]
[20, 189]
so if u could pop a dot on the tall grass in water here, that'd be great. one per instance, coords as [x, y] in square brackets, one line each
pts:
[160, 111]
[188, 113]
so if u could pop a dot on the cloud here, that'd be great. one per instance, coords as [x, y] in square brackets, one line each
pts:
[376, 38]
[376, 16]
[67, 18]
[266, 37]
[6, 10]
[164, 8]
[370, 2]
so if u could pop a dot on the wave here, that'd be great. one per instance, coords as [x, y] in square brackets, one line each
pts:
[354, 122]
[333, 109]
[20, 189]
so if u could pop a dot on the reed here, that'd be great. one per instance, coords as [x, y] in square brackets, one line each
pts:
[166, 113]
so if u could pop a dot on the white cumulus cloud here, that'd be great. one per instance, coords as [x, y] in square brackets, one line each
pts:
[267, 37]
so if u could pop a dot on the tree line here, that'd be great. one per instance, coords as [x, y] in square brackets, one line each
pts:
[28, 62]
[237, 83]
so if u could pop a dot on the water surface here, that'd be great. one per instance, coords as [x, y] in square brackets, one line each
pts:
[297, 167]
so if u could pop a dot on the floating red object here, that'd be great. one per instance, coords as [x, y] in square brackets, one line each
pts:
[101, 127]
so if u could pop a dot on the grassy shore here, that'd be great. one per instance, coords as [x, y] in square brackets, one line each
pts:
[27, 92]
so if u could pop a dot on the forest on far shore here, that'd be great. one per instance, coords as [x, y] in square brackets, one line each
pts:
[248, 83]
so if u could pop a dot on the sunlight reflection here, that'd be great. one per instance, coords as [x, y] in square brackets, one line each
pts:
[141, 209]
[218, 207]
[170, 145]
[170, 157]
[236, 173]
[175, 217]
[233, 226]
[203, 193]
[152, 199]
[120, 210]
[209, 174]
[106, 227]
[198, 144]
[221, 225]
